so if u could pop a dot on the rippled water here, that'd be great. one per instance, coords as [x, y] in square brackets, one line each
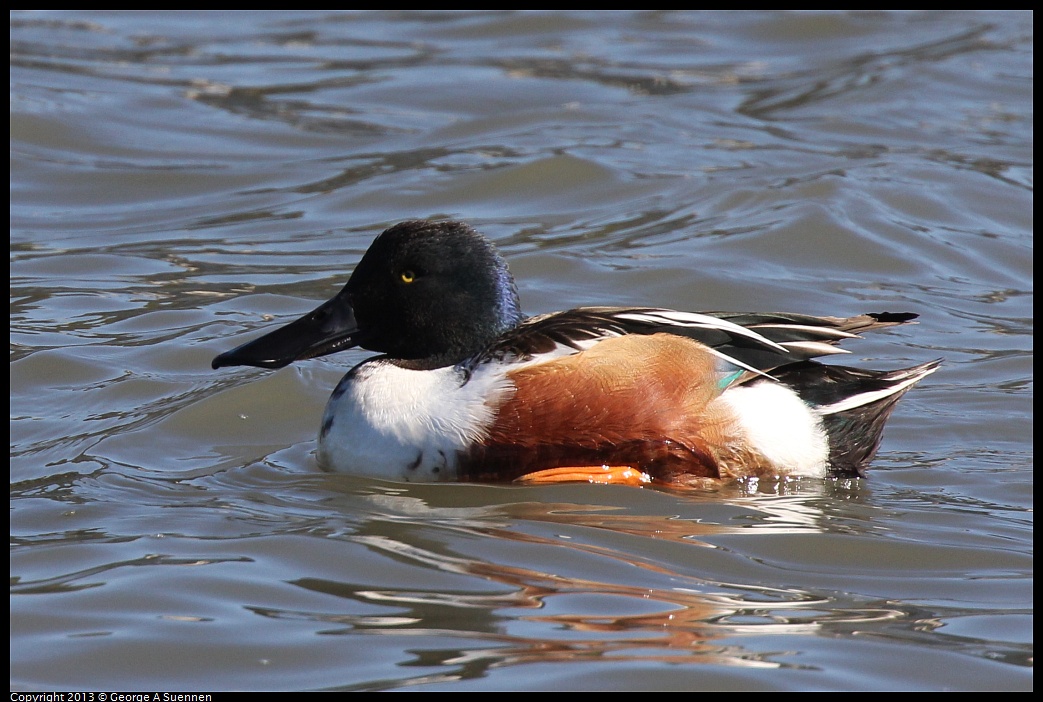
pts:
[181, 181]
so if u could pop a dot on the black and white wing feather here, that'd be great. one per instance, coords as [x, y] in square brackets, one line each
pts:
[756, 342]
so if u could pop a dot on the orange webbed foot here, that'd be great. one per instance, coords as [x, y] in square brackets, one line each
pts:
[605, 475]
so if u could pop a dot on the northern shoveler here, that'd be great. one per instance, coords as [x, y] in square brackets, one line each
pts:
[469, 389]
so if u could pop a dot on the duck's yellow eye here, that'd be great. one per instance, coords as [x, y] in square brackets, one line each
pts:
[407, 276]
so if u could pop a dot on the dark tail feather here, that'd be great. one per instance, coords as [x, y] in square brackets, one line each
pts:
[854, 405]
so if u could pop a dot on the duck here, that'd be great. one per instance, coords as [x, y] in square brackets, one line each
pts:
[466, 388]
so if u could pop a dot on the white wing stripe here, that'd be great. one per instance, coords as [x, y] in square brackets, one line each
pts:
[866, 398]
[817, 348]
[817, 331]
[697, 321]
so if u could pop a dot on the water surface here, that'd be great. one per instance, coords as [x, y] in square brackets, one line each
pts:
[181, 181]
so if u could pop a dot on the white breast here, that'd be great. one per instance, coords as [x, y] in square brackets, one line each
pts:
[391, 422]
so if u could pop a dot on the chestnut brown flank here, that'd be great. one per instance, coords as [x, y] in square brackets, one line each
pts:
[633, 400]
